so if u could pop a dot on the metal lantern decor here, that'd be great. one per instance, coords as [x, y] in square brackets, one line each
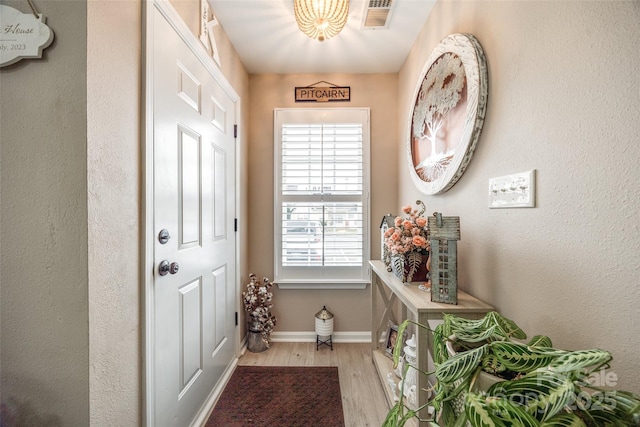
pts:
[385, 224]
[444, 232]
[324, 328]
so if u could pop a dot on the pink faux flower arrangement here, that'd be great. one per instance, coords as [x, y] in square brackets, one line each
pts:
[409, 234]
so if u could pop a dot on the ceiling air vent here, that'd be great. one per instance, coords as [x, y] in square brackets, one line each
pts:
[377, 13]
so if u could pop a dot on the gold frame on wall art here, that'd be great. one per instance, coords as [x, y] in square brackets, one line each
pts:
[449, 105]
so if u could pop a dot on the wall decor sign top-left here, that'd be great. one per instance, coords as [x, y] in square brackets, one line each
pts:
[22, 35]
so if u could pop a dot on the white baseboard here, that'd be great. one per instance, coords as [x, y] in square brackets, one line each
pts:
[337, 337]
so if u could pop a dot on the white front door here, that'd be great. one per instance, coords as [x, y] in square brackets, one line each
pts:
[194, 203]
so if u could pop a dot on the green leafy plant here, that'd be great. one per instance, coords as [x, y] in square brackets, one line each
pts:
[534, 384]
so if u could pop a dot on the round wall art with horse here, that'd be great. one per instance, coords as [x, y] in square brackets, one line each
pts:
[446, 119]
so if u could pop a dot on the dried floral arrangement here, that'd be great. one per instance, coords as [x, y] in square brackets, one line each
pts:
[257, 302]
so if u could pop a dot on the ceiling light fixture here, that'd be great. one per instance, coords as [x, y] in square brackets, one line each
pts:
[321, 19]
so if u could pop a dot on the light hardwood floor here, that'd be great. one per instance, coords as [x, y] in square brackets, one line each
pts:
[363, 402]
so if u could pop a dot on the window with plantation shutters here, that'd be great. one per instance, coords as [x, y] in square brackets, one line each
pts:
[322, 197]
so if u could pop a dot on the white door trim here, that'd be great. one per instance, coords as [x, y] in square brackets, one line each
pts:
[148, 237]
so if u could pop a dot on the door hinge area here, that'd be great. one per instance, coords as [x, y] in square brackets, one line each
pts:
[235, 131]
[236, 318]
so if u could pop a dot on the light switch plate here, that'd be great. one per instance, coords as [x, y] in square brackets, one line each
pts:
[517, 190]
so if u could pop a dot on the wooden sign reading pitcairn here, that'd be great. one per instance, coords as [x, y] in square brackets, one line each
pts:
[22, 35]
[323, 94]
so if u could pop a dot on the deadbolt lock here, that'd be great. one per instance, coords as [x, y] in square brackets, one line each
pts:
[163, 236]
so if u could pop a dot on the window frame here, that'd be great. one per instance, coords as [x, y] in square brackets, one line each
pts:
[307, 277]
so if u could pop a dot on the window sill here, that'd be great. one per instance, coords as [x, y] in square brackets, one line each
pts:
[299, 284]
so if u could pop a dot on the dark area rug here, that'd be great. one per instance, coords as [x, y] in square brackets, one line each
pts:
[280, 396]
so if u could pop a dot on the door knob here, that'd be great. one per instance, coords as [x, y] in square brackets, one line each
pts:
[165, 268]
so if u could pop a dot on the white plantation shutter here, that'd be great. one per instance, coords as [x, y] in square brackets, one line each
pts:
[322, 204]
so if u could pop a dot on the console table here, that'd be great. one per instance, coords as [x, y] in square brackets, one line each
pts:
[386, 286]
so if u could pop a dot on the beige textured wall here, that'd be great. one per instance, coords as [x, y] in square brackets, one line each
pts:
[44, 377]
[113, 176]
[564, 99]
[295, 308]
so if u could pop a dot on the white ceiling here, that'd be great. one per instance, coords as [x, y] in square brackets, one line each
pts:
[267, 38]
